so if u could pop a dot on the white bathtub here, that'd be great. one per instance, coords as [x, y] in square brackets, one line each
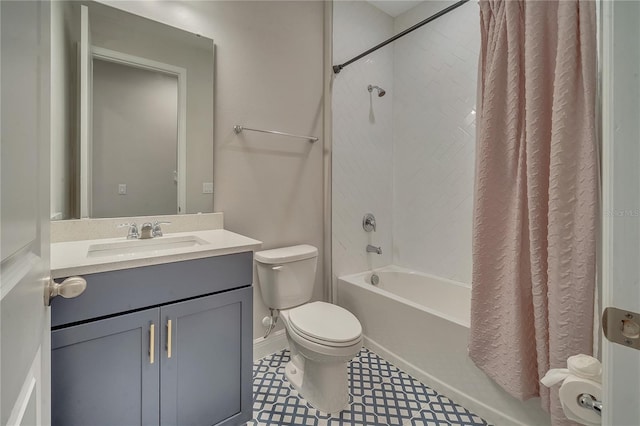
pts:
[420, 323]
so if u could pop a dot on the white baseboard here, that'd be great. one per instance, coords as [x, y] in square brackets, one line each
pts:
[276, 342]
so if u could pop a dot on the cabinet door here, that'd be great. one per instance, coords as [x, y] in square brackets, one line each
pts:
[103, 372]
[205, 375]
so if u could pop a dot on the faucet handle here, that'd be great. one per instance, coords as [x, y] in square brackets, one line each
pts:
[157, 230]
[133, 230]
[369, 222]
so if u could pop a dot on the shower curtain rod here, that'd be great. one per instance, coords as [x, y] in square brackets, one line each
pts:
[338, 68]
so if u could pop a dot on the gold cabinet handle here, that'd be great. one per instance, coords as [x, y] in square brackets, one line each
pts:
[152, 345]
[169, 338]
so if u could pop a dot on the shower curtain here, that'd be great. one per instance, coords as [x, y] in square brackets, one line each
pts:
[536, 189]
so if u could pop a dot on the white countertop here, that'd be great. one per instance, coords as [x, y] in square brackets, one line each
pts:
[70, 258]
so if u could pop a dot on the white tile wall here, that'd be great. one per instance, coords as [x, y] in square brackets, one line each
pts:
[362, 138]
[435, 75]
[407, 157]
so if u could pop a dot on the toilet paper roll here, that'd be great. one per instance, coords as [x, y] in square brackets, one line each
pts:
[570, 390]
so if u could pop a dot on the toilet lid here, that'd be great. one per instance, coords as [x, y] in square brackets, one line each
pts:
[326, 322]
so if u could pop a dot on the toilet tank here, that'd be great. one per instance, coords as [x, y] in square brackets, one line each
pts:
[287, 275]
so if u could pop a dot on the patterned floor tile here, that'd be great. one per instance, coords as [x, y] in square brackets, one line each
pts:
[361, 378]
[376, 364]
[292, 411]
[428, 418]
[278, 359]
[391, 404]
[260, 369]
[412, 387]
[270, 363]
[268, 390]
[356, 415]
[380, 395]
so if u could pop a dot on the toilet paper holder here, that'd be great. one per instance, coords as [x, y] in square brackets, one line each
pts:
[590, 402]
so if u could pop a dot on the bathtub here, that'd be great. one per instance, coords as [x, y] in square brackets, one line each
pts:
[420, 323]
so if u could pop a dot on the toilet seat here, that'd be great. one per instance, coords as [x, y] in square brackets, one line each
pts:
[325, 324]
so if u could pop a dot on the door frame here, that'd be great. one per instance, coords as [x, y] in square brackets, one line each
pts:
[114, 56]
[619, 394]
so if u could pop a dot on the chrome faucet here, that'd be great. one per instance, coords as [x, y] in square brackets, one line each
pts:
[374, 249]
[133, 230]
[151, 230]
[148, 230]
[157, 230]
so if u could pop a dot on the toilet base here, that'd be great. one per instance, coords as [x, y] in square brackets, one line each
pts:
[325, 386]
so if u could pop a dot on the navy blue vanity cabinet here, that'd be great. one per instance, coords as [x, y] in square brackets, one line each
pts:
[202, 370]
[102, 373]
[178, 353]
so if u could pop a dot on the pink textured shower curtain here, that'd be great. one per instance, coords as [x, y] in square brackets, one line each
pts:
[536, 193]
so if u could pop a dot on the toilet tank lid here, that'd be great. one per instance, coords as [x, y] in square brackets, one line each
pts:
[286, 254]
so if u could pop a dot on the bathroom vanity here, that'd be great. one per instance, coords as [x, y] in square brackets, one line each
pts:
[158, 338]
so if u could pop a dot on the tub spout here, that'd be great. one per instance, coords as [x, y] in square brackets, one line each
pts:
[374, 249]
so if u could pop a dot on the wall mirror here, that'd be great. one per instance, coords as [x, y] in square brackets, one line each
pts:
[142, 119]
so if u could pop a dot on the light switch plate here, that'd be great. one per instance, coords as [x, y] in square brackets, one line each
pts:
[207, 187]
[122, 188]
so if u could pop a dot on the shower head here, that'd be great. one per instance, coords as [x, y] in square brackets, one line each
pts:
[381, 91]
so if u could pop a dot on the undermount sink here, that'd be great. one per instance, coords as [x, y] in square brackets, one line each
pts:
[152, 245]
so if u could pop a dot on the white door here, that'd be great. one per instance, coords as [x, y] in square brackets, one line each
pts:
[621, 204]
[24, 205]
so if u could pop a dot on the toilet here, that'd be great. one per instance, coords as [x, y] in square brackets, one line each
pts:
[322, 337]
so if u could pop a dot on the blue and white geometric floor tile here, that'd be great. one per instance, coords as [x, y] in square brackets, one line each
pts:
[381, 394]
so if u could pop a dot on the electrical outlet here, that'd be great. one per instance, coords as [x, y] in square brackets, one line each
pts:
[122, 188]
[207, 187]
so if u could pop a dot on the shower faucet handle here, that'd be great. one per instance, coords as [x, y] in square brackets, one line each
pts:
[369, 222]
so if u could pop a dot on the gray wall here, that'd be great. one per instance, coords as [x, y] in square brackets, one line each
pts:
[135, 136]
[269, 74]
